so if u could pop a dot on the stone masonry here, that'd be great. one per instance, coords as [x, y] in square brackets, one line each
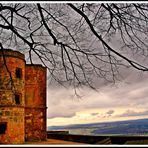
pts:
[22, 99]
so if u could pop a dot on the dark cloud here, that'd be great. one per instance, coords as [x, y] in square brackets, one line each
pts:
[130, 113]
[94, 114]
[110, 112]
[56, 114]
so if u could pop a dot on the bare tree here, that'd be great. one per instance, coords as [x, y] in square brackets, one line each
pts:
[75, 41]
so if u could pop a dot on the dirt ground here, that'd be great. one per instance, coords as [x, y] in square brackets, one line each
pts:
[54, 141]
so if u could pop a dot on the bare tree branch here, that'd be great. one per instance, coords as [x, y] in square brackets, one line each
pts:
[132, 63]
[74, 41]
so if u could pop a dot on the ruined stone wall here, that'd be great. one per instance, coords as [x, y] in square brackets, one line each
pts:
[12, 98]
[35, 100]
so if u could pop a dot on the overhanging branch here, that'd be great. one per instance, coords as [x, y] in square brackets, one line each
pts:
[132, 63]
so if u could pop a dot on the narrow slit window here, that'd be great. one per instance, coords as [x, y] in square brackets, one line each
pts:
[18, 73]
[3, 127]
[17, 99]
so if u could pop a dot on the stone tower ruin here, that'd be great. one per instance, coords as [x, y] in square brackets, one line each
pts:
[22, 99]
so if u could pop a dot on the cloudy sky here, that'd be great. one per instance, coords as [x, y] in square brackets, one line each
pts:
[125, 100]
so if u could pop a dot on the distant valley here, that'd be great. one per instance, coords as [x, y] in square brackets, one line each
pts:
[129, 127]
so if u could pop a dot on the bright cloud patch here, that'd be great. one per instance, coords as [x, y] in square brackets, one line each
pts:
[123, 101]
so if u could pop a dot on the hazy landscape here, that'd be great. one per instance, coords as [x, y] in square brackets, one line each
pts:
[129, 127]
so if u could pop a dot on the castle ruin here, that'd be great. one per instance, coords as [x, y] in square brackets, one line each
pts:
[22, 99]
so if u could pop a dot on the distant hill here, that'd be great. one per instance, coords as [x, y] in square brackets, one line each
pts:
[128, 127]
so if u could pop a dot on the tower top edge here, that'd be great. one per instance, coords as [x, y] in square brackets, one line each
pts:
[12, 53]
[36, 65]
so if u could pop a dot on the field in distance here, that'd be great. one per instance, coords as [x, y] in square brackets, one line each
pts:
[130, 127]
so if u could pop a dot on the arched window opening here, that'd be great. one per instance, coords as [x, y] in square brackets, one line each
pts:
[18, 73]
[17, 99]
[3, 127]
